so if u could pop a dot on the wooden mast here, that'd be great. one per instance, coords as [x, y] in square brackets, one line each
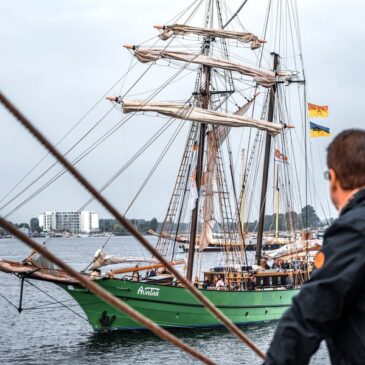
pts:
[198, 176]
[205, 96]
[265, 173]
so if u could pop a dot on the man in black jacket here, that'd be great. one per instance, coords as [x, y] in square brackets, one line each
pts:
[331, 305]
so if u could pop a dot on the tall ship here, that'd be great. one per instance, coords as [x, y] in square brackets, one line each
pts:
[242, 107]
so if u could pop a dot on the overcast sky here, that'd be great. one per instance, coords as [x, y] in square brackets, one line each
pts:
[59, 57]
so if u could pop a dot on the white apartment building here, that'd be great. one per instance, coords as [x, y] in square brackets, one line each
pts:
[74, 222]
[89, 222]
[41, 220]
[47, 221]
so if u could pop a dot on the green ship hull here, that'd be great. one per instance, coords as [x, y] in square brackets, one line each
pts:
[174, 307]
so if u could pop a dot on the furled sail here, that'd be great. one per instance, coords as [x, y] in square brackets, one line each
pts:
[195, 114]
[168, 31]
[206, 233]
[101, 258]
[263, 77]
[216, 137]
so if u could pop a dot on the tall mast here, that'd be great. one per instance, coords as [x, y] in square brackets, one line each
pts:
[265, 173]
[198, 175]
[204, 95]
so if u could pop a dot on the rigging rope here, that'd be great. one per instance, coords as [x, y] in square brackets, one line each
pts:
[56, 163]
[74, 162]
[62, 139]
[154, 167]
[127, 164]
[57, 301]
[235, 14]
[7, 300]
[44, 306]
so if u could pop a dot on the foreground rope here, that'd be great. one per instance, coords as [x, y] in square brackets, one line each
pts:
[121, 219]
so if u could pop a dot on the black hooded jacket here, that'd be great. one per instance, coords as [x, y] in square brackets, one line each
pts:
[331, 305]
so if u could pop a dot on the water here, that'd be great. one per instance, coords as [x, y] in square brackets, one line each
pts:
[52, 334]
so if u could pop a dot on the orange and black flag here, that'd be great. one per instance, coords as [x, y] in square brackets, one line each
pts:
[317, 110]
[280, 156]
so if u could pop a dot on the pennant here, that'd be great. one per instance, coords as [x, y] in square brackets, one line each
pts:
[317, 130]
[280, 156]
[317, 110]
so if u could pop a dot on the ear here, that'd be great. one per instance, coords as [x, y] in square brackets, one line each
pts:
[333, 180]
[334, 188]
[332, 175]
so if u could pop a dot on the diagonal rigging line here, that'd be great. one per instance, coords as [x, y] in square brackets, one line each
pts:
[157, 163]
[105, 295]
[131, 160]
[64, 137]
[8, 301]
[57, 301]
[74, 162]
[235, 14]
[55, 163]
[85, 153]
[122, 220]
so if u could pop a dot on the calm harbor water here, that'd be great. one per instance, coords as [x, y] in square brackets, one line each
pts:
[48, 333]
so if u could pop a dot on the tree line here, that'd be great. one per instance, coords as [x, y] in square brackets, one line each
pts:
[26, 226]
[142, 225]
[307, 218]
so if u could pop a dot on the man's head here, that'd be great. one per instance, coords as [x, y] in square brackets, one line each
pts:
[346, 163]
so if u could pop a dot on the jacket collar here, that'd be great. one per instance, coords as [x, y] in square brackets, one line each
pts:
[357, 199]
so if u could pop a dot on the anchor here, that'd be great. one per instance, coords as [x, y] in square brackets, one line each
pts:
[105, 320]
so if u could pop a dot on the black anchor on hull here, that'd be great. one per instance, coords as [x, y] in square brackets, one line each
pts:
[105, 320]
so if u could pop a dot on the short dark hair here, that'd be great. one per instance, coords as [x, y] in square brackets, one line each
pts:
[346, 156]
